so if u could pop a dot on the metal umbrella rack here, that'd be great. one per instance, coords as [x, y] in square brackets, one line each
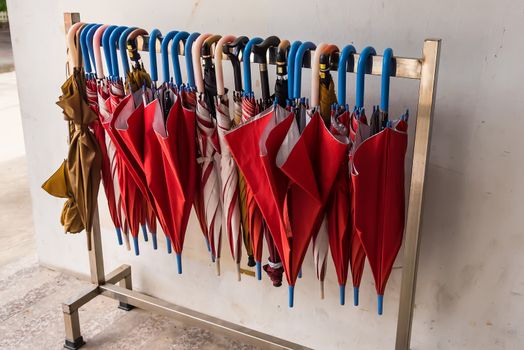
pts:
[118, 285]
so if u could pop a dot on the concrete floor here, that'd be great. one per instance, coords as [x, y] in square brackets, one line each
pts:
[31, 296]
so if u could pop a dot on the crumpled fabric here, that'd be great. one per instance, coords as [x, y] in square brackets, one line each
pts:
[78, 178]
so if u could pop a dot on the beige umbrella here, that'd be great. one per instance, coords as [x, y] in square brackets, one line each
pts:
[78, 178]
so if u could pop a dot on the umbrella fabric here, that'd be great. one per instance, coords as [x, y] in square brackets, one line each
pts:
[188, 101]
[229, 181]
[80, 178]
[312, 176]
[257, 227]
[105, 117]
[209, 161]
[326, 99]
[244, 144]
[176, 137]
[378, 182]
[242, 187]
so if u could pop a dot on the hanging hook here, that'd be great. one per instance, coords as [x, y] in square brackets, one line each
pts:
[153, 37]
[83, 47]
[345, 60]
[188, 50]
[165, 54]
[97, 42]
[363, 62]
[180, 36]
[233, 50]
[219, 72]
[122, 40]
[107, 52]
[113, 40]
[89, 44]
[197, 66]
[299, 60]
[291, 67]
[387, 67]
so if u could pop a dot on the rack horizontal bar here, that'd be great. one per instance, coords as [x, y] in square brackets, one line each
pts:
[409, 68]
[197, 318]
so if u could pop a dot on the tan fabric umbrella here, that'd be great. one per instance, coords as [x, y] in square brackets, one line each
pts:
[78, 178]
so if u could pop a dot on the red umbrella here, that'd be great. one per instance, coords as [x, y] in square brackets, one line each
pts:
[109, 176]
[258, 228]
[209, 157]
[378, 181]
[228, 171]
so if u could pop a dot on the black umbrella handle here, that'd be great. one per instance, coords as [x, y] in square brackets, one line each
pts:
[260, 51]
[232, 51]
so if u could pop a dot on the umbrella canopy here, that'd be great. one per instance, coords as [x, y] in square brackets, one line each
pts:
[258, 228]
[209, 149]
[78, 178]
[378, 181]
[228, 171]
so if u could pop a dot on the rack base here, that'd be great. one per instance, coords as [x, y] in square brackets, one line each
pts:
[118, 286]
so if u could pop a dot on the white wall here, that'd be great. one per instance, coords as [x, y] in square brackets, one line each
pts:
[471, 281]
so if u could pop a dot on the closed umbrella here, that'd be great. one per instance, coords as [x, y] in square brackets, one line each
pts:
[281, 85]
[230, 198]
[209, 160]
[378, 180]
[233, 50]
[78, 178]
[189, 100]
[250, 108]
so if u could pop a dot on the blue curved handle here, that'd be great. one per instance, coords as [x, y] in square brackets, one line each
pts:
[89, 43]
[122, 46]
[246, 63]
[342, 73]
[291, 67]
[387, 63]
[189, 59]
[105, 44]
[83, 46]
[361, 73]
[113, 40]
[308, 45]
[174, 56]
[165, 54]
[153, 36]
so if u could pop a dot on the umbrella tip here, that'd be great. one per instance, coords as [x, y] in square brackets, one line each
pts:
[291, 295]
[168, 244]
[380, 300]
[179, 263]
[144, 232]
[155, 243]
[355, 296]
[259, 270]
[119, 235]
[300, 273]
[342, 290]
[217, 261]
[322, 290]
[208, 246]
[135, 243]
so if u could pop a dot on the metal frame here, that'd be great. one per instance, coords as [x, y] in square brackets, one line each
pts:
[424, 69]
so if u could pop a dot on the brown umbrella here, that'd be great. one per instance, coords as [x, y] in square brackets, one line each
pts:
[78, 178]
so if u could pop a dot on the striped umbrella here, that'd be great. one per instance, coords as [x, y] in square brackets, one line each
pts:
[209, 160]
[228, 169]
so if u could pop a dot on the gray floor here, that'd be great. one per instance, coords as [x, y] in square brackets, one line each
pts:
[31, 296]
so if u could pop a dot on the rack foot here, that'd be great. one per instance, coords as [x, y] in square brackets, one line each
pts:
[74, 345]
[125, 307]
